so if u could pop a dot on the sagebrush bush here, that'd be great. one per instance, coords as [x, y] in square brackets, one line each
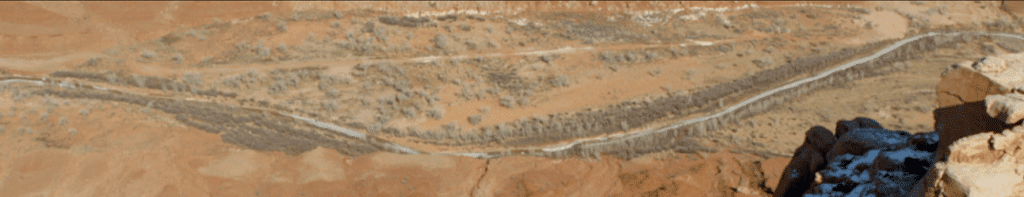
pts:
[508, 102]
[435, 114]
[560, 81]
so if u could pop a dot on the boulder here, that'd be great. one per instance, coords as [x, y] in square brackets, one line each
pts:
[809, 158]
[861, 140]
[820, 138]
[1008, 108]
[886, 167]
[977, 154]
[986, 164]
[928, 186]
[928, 141]
[844, 126]
[798, 175]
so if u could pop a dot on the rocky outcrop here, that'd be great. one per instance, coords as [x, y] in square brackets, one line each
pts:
[874, 161]
[864, 159]
[961, 109]
[844, 126]
[980, 154]
[986, 164]
[861, 140]
[1008, 108]
[798, 176]
[963, 92]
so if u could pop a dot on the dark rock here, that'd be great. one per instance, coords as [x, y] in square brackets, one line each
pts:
[859, 141]
[925, 141]
[860, 122]
[799, 173]
[820, 138]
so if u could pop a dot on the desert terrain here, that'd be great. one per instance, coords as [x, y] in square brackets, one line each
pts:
[460, 98]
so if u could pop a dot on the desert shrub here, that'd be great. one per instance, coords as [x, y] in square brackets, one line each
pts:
[403, 21]
[475, 119]
[277, 87]
[492, 44]
[177, 58]
[508, 102]
[475, 17]
[193, 79]
[238, 126]
[332, 93]
[409, 112]
[329, 106]
[369, 27]
[140, 81]
[447, 17]
[435, 114]
[232, 82]
[148, 54]
[112, 78]
[85, 111]
[523, 101]
[282, 26]
[25, 130]
[450, 127]
[560, 81]
[547, 58]
[263, 52]
[655, 72]
[763, 62]
[440, 41]
[92, 62]
[264, 16]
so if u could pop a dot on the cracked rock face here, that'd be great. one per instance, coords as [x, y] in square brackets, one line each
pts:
[1008, 108]
[987, 164]
[981, 139]
[962, 92]
[1005, 70]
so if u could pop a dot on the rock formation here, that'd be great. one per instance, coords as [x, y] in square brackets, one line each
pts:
[864, 159]
[984, 162]
[977, 149]
[809, 158]
[961, 105]
[1007, 107]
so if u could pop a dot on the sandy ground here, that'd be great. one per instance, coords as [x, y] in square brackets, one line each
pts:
[52, 148]
[119, 150]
